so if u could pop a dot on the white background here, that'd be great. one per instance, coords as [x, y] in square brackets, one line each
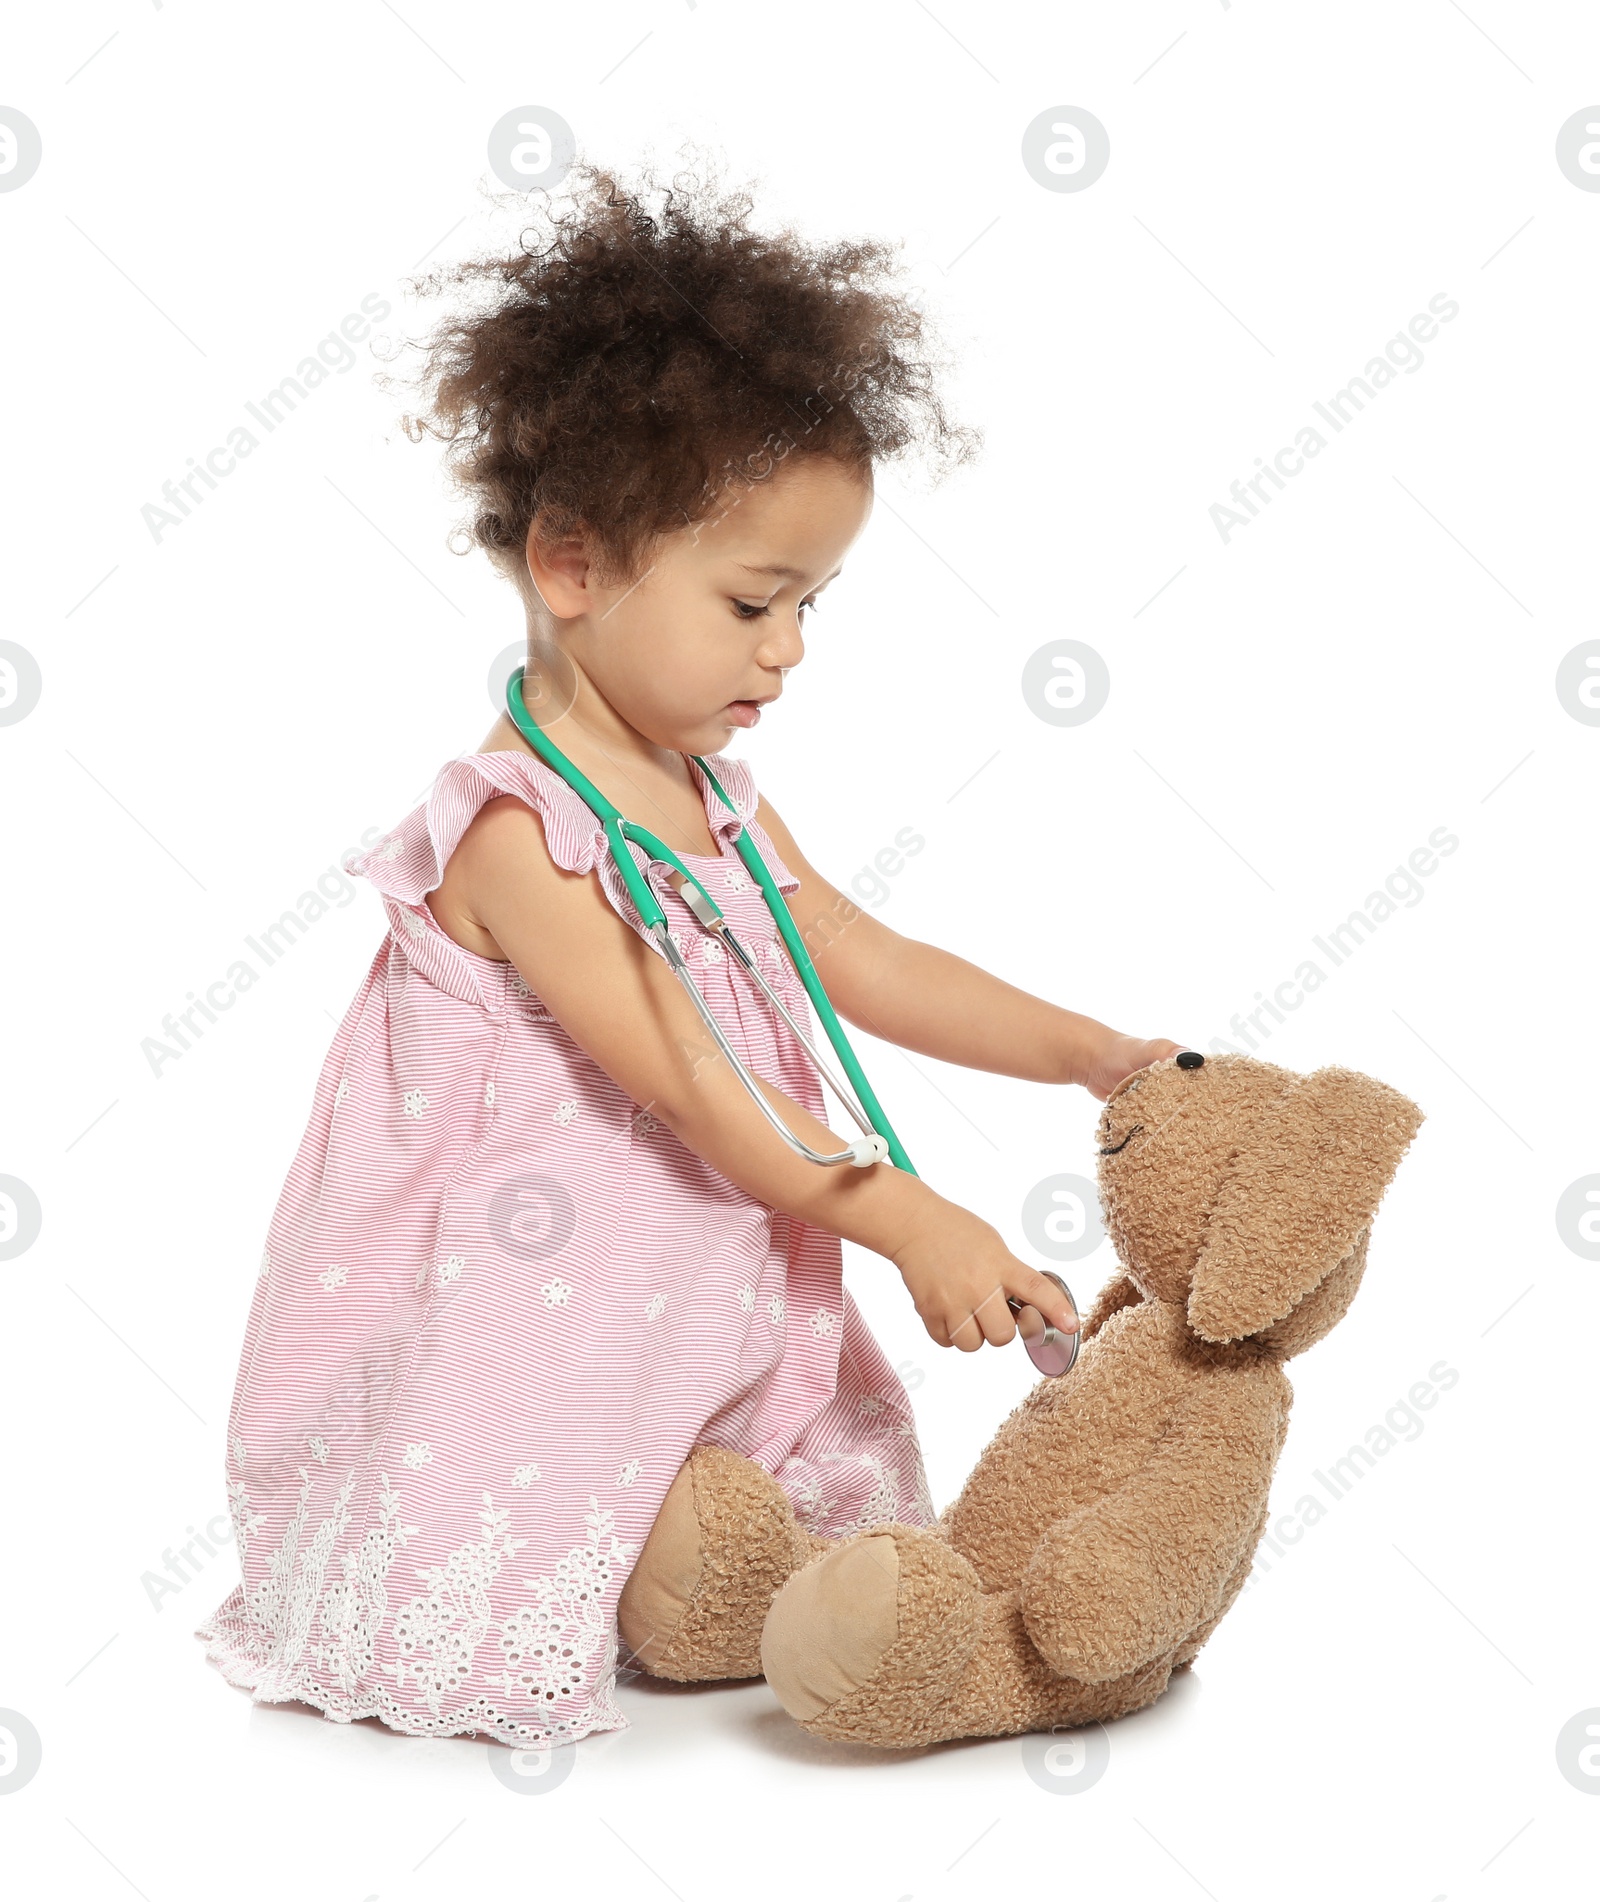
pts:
[1292, 712]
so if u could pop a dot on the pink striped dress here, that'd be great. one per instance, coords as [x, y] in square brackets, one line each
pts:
[498, 1305]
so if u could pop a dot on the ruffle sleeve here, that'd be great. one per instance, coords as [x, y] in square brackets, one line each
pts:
[408, 864]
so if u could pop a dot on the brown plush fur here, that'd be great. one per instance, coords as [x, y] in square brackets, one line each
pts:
[723, 1542]
[1111, 1521]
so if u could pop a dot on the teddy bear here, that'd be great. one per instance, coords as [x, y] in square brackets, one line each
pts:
[1112, 1520]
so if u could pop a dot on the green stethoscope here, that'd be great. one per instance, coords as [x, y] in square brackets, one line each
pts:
[878, 1141]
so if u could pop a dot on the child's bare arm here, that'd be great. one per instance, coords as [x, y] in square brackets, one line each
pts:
[618, 1000]
[922, 998]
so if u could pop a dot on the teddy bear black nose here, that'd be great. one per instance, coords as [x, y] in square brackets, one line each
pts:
[1188, 1059]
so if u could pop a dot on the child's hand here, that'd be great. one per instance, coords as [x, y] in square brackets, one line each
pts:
[959, 1273]
[1118, 1057]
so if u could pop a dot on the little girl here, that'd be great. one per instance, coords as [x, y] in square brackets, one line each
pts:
[537, 1243]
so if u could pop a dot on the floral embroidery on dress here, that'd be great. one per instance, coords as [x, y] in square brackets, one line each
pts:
[747, 1298]
[655, 1307]
[438, 1632]
[736, 881]
[417, 1454]
[264, 1267]
[246, 1522]
[806, 1495]
[413, 923]
[389, 850]
[343, 1090]
[555, 1292]
[518, 984]
[883, 1506]
[776, 1308]
[238, 1450]
[450, 1269]
[319, 1448]
[296, 1634]
[414, 1103]
[524, 1476]
[488, 1094]
[815, 1507]
[869, 1403]
[823, 1323]
[629, 1472]
[334, 1277]
[711, 952]
[549, 1645]
[644, 1122]
[565, 1112]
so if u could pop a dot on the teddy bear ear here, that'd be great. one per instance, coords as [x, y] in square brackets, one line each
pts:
[1306, 1180]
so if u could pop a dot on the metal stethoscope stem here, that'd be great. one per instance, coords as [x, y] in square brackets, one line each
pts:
[870, 1148]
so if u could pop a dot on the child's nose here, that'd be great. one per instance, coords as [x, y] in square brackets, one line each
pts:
[786, 646]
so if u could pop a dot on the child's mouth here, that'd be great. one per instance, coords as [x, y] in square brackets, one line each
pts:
[743, 712]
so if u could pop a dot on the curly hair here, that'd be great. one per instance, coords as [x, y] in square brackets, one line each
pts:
[625, 369]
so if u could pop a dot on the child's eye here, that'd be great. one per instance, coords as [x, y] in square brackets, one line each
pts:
[748, 611]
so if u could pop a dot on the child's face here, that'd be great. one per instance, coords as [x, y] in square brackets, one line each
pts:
[707, 626]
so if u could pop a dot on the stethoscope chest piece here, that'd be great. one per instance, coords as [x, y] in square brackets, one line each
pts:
[1051, 1351]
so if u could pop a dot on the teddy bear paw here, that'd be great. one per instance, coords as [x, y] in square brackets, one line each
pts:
[868, 1643]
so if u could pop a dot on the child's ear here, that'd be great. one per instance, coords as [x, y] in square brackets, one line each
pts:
[1315, 1164]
